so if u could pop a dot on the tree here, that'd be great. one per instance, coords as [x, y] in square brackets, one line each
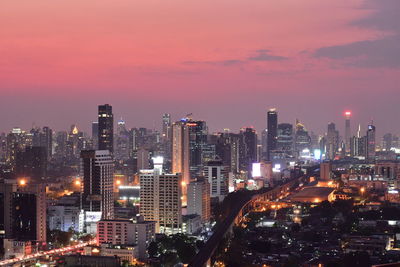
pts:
[153, 249]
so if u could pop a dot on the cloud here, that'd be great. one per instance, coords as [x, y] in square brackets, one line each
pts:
[259, 55]
[376, 53]
[368, 54]
[227, 62]
[264, 55]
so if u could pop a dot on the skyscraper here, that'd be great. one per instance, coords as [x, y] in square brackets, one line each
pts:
[95, 134]
[371, 145]
[180, 153]
[106, 128]
[160, 198]
[272, 128]
[198, 132]
[248, 148]
[98, 180]
[347, 136]
[199, 199]
[332, 141]
[166, 126]
[46, 141]
[23, 211]
[285, 138]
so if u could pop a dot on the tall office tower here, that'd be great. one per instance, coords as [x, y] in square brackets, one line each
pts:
[23, 211]
[106, 128]
[198, 133]
[272, 128]
[358, 145]
[302, 140]
[133, 142]
[371, 145]
[95, 134]
[98, 180]
[32, 163]
[122, 142]
[15, 144]
[248, 148]
[180, 154]
[143, 159]
[332, 142]
[227, 149]
[284, 142]
[61, 144]
[199, 199]
[160, 198]
[166, 126]
[46, 141]
[264, 143]
[347, 135]
[3, 147]
[218, 177]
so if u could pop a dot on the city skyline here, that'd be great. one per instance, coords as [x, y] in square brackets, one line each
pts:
[239, 58]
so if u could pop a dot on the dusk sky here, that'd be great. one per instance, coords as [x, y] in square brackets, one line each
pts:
[225, 61]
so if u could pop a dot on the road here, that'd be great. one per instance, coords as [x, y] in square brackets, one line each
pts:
[237, 204]
[46, 253]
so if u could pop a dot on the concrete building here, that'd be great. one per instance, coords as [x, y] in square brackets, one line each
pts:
[199, 199]
[23, 211]
[218, 178]
[98, 175]
[127, 232]
[160, 198]
[63, 218]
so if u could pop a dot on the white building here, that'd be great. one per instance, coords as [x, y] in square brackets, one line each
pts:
[160, 199]
[63, 218]
[218, 178]
[199, 199]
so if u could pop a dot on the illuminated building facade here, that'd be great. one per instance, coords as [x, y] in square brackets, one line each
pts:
[98, 176]
[106, 128]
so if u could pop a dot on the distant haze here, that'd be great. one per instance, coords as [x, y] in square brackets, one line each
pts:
[225, 61]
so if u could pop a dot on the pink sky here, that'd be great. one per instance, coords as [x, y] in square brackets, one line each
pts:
[225, 61]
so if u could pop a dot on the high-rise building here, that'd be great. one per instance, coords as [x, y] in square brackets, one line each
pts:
[248, 148]
[166, 126]
[371, 145]
[358, 145]
[347, 135]
[180, 154]
[198, 132]
[272, 128]
[332, 141]
[95, 134]
[284, 142]
[23, 211]
[302, 140]
[143, 159]
[160, 198]
[122, 142]
[106, 128]
[199, 199]
[98, 175]
[46, 141]
[218, 177]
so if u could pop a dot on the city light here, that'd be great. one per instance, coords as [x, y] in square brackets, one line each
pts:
[22, 182]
